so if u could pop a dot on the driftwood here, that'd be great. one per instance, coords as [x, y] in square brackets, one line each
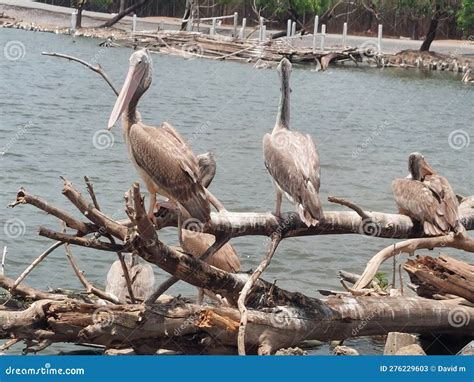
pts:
[276, 318]
[180, 325]
[442, 275]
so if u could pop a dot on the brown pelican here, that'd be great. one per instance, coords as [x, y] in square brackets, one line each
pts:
[141, 275]
[427, 198]
[161, 156]
[196, 243]
[292, 159]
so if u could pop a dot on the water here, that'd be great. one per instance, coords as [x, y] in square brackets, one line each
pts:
[365, 122]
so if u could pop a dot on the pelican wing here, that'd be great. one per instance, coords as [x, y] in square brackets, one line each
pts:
[196, 243]
[293, 162]
[433, 203]
[169, 162]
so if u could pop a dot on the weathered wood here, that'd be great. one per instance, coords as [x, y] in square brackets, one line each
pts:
[442, 275]
[146, 329]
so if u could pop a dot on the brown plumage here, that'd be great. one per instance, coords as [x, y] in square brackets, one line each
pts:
[160, 155]
[427, 198]
[292, 160]
[197, 243]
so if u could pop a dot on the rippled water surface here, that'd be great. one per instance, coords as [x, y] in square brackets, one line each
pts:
[365, 122]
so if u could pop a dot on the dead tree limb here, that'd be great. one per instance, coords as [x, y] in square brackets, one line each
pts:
[443, 276]
[96, 68]
[32, 266]
[86, 283]
[126, 274]
[461, 241]
[275, 240]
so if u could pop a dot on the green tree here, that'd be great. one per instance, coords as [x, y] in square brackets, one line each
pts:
[466, 16]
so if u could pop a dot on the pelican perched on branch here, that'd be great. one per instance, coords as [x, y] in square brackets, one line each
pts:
[292, 159]
[161, 156]
[197, 243]
[427, 198]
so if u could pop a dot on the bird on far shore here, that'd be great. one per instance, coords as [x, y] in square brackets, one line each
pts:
[292, 159]
[427, 198]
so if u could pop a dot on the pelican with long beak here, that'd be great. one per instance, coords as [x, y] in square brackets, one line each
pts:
[292, 159]
[161, 156]
[427, 198]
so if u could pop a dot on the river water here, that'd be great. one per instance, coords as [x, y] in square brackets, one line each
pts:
[365, 122]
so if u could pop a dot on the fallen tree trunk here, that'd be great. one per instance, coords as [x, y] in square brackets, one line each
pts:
[442, 275]
[179, 325]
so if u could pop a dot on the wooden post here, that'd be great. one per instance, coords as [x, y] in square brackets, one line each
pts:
[323, 35]
[134, 23]
[293, 28]
[264, 33]
[379, 38]
[73, 20]
[315, 31]
[261, 29]
[212, 31]
[162, 26]
[344, 35]
[242, 30]
[236, 21]
[288, 28]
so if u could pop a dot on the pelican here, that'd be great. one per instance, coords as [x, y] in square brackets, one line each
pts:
[161, 156]
[466, 78]
[427, 198]
[292, 159]
[141, 276]
[196, 243]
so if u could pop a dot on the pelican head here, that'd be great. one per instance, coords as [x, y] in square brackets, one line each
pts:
[418, 167]
[284, 70]
[136, 83]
